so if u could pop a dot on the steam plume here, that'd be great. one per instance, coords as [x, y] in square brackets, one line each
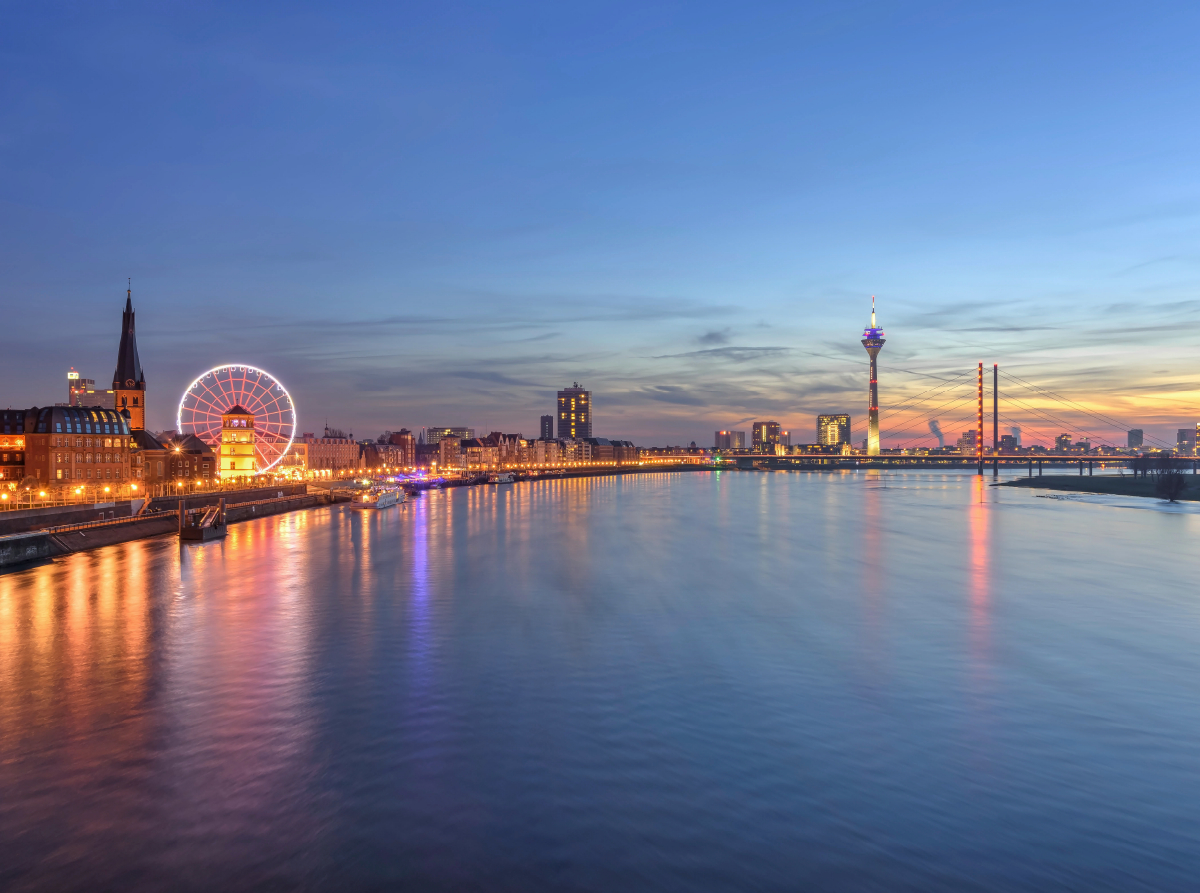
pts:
[936, 431]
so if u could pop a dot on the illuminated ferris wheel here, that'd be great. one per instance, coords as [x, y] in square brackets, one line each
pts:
[221, 389]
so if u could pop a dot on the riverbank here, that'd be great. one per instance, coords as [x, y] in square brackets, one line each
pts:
[21, 549]
[36, 542]
[1106, 484]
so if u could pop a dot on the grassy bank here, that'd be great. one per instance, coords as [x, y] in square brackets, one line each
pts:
[1115, 486]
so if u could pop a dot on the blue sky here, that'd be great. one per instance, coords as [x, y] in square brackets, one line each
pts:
[441, 213]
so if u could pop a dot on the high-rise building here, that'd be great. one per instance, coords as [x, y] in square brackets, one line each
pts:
[574, 413]
[968, 442]
[1185, 442]
[129, 383]
[237, 444]
[873, 341]
[1062, 443]
[1008, 444]
[547, 428]
[764, 436]
[434, 435]
[729, 440]
[82, 392]
[833, 430]
[1134, 438]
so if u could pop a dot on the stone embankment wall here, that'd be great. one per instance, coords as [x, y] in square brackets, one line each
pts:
[43, 544]
[22, 520]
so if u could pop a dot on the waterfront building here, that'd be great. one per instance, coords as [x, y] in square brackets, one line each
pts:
[1185, 442]
[729, 440]
[294, 462]
[1008, 444]
[380, 454]
[1062, 443]
[178, 459]
[511, 448]
[237, 444]
[478, 454]
[545, 451]
[574, 413]
[449, 451]
[598, 449]
[407, 445]
[331, 454]
[12, 446]
[625, 451]
[129, 382]
[873, 341]
[82, 392]
[426, 455]
[61, 443]
[1134, 438]
[968, 442]
[764, 437]
[434, 435]
[570, 450]
[547, 432]
[834, 429]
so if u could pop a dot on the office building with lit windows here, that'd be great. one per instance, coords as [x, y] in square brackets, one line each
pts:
[574, 413]
[433, 435]
[833, 430]
[765, 436]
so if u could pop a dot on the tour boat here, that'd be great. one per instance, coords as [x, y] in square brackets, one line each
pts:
[504, 477]
[377, 498]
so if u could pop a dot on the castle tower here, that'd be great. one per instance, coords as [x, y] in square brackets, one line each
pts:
[129, 383]
[873, 342]
[237, 444]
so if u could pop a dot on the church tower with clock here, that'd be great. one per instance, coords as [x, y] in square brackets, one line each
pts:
[129, 382]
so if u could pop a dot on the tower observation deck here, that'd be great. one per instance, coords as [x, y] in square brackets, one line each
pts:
[873, 341]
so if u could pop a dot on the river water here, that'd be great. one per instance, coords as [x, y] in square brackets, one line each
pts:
[704, 681]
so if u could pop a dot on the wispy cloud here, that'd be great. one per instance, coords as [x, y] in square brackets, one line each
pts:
[715, 336]
[732, 354]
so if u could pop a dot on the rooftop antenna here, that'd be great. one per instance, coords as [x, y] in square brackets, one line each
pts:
[872, 311]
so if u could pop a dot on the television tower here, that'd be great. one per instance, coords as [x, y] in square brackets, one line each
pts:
[873, 342]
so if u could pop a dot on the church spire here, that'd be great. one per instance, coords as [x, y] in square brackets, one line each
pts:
[128, 373]
[129, 382]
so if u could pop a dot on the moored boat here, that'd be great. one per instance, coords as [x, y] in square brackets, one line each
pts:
[377, 498]
[504, 477]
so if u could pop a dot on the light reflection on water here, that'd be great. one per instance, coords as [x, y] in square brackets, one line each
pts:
[677, 682]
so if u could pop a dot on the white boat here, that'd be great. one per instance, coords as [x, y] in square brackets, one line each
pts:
[377, 498]
[504, 477]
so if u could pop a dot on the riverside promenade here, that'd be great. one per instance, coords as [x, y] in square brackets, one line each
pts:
[40, 534]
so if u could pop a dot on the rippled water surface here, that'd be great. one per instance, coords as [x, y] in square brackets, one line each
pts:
[704, 681]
